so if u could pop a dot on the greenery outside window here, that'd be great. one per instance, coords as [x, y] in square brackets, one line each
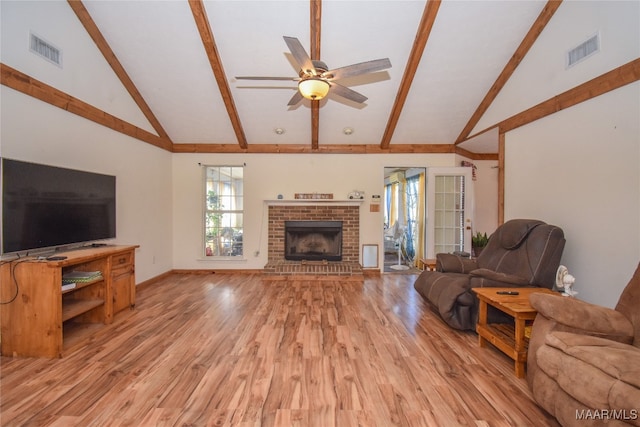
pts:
[224, 214]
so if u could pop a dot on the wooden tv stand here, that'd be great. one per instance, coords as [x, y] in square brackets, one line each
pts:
[32, 323]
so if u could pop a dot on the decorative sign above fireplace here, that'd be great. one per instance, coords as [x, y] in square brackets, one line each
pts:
[314, 196]
[313, 240]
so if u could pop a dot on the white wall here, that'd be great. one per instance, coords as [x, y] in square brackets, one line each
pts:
[578, 169]
[485, 188]
[159, 193]
[31, 130]
[34, 131]
[542, 74]
[266, 176]
[84, 73]
[486, 195]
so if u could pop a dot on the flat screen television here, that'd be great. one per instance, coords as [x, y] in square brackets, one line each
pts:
[47, 206]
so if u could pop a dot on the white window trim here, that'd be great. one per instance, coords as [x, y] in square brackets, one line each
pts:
[203, 212]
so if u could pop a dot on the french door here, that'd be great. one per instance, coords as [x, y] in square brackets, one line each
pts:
[450, 208]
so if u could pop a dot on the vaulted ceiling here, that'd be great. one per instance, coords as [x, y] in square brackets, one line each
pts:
[178, 60]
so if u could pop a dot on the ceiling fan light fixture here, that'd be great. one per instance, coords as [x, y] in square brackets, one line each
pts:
[314, 88]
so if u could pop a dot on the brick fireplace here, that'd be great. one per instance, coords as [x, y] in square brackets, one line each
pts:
[348, 214]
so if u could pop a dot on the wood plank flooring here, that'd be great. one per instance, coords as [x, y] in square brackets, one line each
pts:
[234, 350]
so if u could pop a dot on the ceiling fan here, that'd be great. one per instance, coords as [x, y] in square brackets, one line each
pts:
[316, 79]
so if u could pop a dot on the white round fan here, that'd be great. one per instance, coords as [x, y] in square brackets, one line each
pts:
[398, 237]
[564, 281]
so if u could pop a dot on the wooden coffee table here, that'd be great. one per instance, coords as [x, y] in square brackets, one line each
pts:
[510, 339]
[428, 264]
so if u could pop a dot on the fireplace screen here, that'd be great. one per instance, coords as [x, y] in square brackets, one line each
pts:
[313, 240]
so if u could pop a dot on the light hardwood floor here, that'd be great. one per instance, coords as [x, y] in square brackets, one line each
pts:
[222, 350]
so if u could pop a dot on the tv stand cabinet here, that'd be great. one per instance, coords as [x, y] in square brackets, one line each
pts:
[32, 324]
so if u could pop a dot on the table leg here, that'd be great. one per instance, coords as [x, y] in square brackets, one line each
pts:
[520, 347]
[482, 320]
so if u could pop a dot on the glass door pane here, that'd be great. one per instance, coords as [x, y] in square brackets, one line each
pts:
[450, 207]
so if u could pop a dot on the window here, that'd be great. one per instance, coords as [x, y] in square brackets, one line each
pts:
[449, 213]
[405, 203]
[224, 215]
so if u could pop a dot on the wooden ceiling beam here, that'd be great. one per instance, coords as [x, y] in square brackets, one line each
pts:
[315, 11]
[419, 44]
[614, 79]
[324, 149]
[206, 34]
[475, 156]
[94, 32]
[501, 166]
[536, 29]
[23, 83]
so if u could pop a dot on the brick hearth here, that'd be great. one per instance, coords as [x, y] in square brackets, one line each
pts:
[317, 268]
[350, 217]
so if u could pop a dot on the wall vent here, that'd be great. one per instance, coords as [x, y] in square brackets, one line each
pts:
[583, 50]
[45, 50]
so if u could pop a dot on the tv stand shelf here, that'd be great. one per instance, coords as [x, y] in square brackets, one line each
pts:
[32, 323]
[82, 285]
[75, 308]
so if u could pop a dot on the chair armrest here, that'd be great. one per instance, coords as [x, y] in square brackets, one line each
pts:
[583, 316]
[450, 263]
[507, 279]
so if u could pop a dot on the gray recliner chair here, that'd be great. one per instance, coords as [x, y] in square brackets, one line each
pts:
[520, 253]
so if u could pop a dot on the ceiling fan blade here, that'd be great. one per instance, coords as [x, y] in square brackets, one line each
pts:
[357, 69]
[266, 78]
[297, 97]
[300, 55]
[347, 93]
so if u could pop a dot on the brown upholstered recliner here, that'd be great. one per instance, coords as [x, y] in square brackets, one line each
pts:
[583, 365]
[520, 253]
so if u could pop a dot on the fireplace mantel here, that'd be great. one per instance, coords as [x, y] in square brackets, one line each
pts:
[312, 202]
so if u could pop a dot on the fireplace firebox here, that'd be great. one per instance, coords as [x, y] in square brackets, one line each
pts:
[313, 240]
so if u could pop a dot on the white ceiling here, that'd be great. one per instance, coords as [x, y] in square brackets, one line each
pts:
[161, 50]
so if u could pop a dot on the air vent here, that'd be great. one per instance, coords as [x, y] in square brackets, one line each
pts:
[45, 49]
[583, 50]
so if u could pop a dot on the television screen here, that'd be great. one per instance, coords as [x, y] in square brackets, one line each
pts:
[46, 206]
